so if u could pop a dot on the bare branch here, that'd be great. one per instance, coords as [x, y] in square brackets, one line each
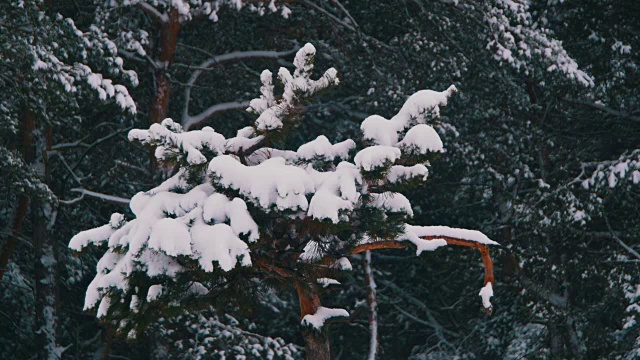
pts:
[104, 197]
[152, 12]
[328, 14]
[616, 113]
[219, 59]
[620, 242]
[212, 111]
[131, 166]
[339, 4]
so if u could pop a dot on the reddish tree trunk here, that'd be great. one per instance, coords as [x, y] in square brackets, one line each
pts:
[168, 43]
[316, 342]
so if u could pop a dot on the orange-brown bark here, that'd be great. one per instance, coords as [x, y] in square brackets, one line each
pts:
[392, 244]
[317, 342]
[168, 44]
[309, 300]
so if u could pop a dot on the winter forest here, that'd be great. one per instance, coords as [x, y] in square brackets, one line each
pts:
[319, 179]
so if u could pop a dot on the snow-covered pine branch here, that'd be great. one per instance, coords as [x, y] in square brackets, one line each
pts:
[158, 10]
[267, 209]
[518, 37]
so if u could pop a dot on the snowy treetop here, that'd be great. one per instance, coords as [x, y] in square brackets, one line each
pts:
[250, 196]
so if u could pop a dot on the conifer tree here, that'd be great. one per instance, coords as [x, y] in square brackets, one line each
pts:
[247, 209]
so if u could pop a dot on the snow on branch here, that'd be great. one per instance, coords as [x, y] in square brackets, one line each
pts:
[272, 114]
[518, 37]
[322, 315]
[625, 169]
[429, 238]
[174, 144]
[236, 203]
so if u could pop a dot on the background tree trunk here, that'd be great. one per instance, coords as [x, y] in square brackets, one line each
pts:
[45, 260]
[28, 126]
[167, 44]
[372, 299]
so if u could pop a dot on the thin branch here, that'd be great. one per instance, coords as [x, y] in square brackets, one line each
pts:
[328, 14]
[337, 2]
[212, 111]
[220, 59]
[131, 56]
[152, 12]
[104, 197]
[97, 142]
[66, 165]
[133, 167]
[620, 242]
[601, 107]
[13, 323]
[432, 323]
[393, 244]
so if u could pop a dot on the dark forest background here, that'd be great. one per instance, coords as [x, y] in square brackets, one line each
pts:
[538, 157]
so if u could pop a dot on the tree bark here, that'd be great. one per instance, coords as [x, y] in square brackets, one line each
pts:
[372, 299]
[45, 259]
[167, 44]
[393, 244]
[316, 342]
[28, 127]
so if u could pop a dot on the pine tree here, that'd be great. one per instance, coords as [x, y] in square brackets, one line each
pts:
[49, 67]
[246, 208]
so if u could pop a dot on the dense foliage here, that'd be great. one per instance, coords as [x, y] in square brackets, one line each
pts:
[540, 153]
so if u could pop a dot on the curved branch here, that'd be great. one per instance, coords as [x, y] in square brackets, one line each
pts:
[190, 121]
[393, 244]
[152, 12]
[208, 64]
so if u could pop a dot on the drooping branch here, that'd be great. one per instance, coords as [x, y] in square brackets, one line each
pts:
[393, 244]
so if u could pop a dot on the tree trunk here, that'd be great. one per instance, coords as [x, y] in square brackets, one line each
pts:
[167, 45]
[316, 342]
[372, 299]
[108, 341]
[28, 126]
[555, 340]
[43, 217]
